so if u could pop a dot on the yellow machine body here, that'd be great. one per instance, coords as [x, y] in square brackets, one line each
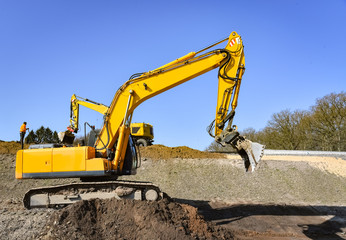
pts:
[143, 130]
[59, 162]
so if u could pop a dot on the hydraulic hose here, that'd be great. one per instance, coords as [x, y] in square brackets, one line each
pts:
[104, 145]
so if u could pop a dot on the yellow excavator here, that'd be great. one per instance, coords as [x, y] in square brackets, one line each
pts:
[114, 154]
[142, 133]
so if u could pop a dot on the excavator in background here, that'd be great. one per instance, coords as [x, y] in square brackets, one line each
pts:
[114, 154]
[142, 133]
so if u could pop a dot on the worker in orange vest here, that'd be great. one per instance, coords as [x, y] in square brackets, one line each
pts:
[22, 132]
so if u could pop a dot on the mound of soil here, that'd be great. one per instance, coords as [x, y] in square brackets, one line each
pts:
[129, 219]
[162, 152]
[10, 147]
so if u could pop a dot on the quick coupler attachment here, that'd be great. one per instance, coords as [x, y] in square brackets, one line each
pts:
[251, 152]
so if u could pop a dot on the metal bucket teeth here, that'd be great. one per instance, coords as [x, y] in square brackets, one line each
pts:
[66, 137]
[251, 153]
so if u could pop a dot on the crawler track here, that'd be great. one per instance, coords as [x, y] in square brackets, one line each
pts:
[62, 195]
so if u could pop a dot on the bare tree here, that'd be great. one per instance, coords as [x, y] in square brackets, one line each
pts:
[251, 134]
[285, 131]
[327, 122]
[321, 128]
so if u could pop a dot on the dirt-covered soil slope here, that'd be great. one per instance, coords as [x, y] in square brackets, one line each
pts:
[279, 179]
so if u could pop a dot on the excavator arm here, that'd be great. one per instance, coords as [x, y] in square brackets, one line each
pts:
[74, 113]
[231, 63]
[68, 137]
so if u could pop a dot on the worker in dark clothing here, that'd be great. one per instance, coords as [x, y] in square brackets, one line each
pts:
[22, 132]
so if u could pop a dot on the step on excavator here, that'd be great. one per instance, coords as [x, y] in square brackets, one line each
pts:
[113, 152]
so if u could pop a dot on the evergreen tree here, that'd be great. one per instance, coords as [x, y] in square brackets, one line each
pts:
[55, 138]
[48, 136]
[40, 133]
[31, 138]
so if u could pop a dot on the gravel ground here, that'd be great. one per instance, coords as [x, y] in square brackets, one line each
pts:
[19, 223]
[298, 180]
[273, 181]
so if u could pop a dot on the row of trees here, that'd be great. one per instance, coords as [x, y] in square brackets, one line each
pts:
[45, 135]
[322, 127]
[42, 135]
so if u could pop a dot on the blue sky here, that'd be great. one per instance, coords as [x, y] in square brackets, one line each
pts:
[295, 52]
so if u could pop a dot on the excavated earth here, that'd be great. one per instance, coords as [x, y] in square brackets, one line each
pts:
[288, 197]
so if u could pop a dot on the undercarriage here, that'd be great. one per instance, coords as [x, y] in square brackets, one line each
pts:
[62, 195]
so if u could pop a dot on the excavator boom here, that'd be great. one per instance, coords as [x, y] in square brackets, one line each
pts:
[231, 63]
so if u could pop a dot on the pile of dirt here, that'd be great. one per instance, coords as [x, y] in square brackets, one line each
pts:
[129, 219]
[10, 147]
[158, 151]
